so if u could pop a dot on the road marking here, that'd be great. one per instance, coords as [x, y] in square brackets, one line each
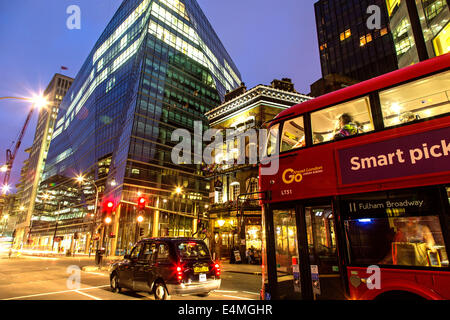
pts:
[256, 294]
[87, 295]
[56, 292]
[236, 297]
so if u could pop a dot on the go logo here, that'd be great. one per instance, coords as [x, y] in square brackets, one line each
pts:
[290, 175]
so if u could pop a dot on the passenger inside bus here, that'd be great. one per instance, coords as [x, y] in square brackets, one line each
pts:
[408, 117]
[413, 244]
[347, 127]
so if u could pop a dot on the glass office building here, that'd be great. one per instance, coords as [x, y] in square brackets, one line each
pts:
[421, 29]
[158, 66]
[347, 46]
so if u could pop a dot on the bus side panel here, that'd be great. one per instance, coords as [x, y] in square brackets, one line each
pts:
[431, 285]
[301, 177]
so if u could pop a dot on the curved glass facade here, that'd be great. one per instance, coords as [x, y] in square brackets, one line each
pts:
[157, 67]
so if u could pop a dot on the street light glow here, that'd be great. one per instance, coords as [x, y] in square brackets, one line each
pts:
[140, 219]
[5, 188]
[108, 220]
[178, 190]
[4, 168]
[39, 102]
[22, 208]
[80, 178]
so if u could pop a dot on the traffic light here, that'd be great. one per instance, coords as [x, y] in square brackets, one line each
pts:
[141, 232]
[141, 203]
[108, 209]
[109, 206]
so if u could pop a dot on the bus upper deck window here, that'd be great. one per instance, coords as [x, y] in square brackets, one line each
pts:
[340, 121]
[419, 99]
[272, 140]
[293, 136]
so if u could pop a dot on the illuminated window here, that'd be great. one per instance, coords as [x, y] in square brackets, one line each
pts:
[323, 47]
[346, 34]
[365, 39]
[293, 136]
[235, 190]
[402, 28]
[442, 41]
[327, 124]
[416, 100]
[383, 31]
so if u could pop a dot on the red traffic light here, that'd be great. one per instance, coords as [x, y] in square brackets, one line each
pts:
[141, 203]
[108, 207]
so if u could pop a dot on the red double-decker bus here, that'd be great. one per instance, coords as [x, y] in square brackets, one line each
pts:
[359, 206]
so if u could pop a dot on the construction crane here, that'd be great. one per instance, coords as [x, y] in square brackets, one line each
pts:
[38, 102]
[11, 155]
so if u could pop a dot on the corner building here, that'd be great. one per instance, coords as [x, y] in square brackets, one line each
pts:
[157, 67]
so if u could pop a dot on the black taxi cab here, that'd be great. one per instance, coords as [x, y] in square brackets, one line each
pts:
[167, 266]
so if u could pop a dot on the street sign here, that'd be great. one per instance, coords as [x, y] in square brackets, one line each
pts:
[237, 255]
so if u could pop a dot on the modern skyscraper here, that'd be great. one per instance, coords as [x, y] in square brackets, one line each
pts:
[54, 93]
[420, 28]
[157, 66]
[347, 46]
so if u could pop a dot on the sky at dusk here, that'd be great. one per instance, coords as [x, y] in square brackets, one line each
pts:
[267, 39]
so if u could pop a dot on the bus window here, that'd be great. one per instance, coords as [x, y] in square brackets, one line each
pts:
[419, 99]
[293, 136]
[340, 121]
[407, 241]
[272, 140]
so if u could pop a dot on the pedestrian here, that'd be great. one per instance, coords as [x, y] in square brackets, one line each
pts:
[247, 256]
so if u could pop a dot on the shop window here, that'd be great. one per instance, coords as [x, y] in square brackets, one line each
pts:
[293, 136]
[419, 99]
[343, 120]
